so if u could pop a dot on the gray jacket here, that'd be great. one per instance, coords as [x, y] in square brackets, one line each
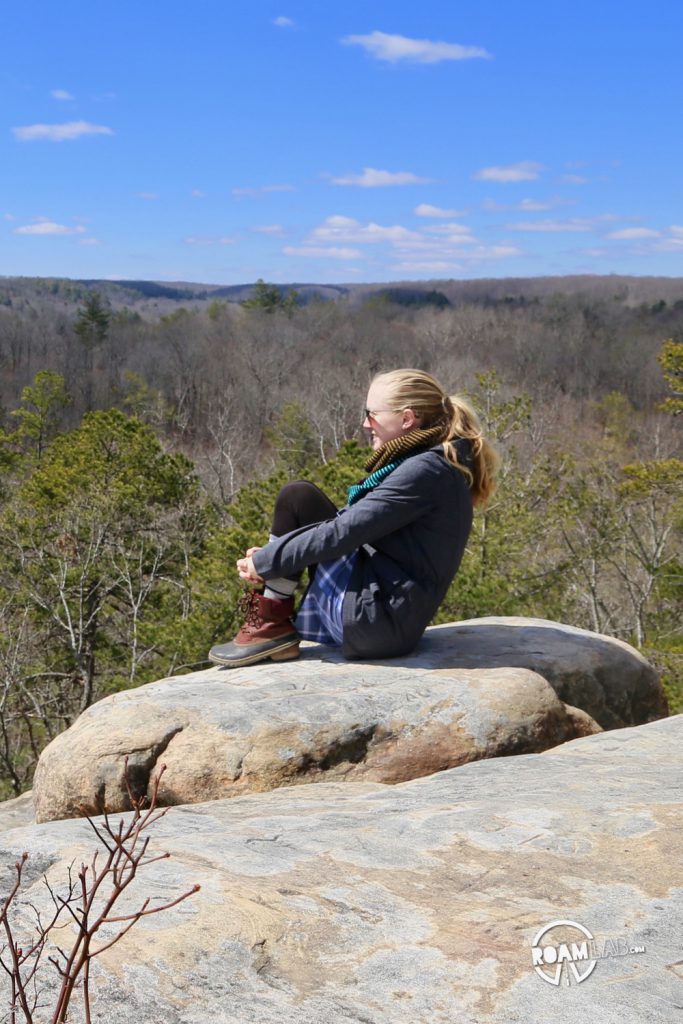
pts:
[410, 533]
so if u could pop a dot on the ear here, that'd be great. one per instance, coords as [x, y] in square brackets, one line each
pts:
[410, 420]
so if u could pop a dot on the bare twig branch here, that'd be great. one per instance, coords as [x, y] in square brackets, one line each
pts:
[86, 907]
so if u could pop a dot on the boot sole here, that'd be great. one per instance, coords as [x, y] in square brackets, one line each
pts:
[287, 652]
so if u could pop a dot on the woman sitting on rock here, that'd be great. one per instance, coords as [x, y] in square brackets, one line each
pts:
[383, 563]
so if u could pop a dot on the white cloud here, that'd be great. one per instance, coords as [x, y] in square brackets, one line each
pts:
[373, 178]
[497, 252]
[574, 224]
[573, 179]
[197, 193]
[347, 229]
[209, 240]
[526, 205]
[426, 210]
[89, 241]
[150, 196]
[461, 249]
[48, 227]
[268, 229]
[452, 230]
[61, 94]
[655, 241]
[393, 48]
[450, 260]
[428, 267]
[261, 189]
[442, 238]
[525, 170]
[634, 233]
[438, 248]
[320, 252]
[535, 205]
[9, 216]
[283, 22]
[59, 132]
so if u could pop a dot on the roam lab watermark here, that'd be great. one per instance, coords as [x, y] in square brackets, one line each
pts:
[566, 949]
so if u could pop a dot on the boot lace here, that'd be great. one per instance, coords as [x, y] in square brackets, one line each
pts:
[249, 610]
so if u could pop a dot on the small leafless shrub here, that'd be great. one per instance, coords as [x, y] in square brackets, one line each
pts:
[71, 935]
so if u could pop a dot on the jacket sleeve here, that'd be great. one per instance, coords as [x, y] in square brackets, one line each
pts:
[404, 496]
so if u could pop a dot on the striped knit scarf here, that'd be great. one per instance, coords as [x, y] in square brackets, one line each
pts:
[382, 462]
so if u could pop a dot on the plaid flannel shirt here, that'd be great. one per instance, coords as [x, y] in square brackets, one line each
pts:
[320, 615]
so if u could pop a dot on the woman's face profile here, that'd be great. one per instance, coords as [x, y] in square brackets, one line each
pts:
[383, 424]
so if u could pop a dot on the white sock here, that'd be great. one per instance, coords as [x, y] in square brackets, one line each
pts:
[282, 588]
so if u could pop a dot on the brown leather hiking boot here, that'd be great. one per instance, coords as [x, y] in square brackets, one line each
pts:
[268, 632]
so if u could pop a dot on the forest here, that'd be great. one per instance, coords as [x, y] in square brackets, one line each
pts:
[145, 429]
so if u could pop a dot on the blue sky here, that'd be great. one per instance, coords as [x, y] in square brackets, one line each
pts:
[221, 141]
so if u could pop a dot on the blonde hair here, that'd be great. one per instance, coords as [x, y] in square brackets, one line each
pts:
[419, 391]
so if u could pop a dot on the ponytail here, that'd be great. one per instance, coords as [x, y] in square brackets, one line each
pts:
[464, 422]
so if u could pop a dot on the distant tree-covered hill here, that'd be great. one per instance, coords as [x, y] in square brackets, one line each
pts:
[153, 299]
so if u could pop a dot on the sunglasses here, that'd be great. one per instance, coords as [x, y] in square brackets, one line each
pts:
[371, 414]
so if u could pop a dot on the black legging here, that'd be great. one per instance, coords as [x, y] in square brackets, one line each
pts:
[300, 504]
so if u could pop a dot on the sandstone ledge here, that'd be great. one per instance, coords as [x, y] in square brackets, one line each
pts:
[414, 903]
[479, 689]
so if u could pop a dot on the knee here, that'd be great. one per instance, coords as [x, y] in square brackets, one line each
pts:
[292, 493]
[298, 504]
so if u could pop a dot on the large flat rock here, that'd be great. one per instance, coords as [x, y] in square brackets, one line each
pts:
[17, 812]
[466, 694]
[415, 903]
[606, 677]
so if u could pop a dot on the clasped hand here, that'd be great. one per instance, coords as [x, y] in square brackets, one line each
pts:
[246, 569]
